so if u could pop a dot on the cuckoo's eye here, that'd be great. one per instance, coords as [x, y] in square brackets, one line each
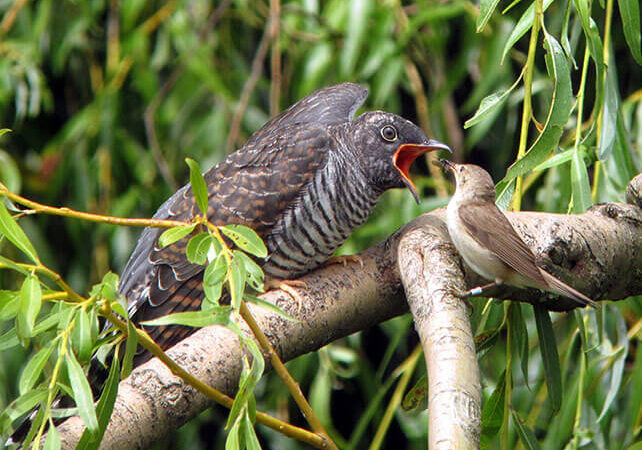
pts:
[389, 133]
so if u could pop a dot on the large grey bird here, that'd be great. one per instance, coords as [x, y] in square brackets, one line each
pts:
[303, 182]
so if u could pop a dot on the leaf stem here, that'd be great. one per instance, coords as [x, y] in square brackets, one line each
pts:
[527, 110]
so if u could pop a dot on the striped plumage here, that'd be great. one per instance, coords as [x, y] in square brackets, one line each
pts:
[303, 182]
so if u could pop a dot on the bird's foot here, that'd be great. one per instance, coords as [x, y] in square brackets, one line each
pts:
[289, 287]
[345, 259]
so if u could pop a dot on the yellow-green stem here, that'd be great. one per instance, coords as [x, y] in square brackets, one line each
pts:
[508, 385]
[605, 53]
[527, 110]
[410, 363]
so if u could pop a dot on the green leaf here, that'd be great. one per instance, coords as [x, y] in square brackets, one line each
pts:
[131, 345]
[199, 187]
[580, 184]
[619, 355]
[233, 441]
[213, 278]
[52, 442]
[29, 307]
[488, 105]
[416, 399]
[20, 406]
[10, 228]
[630, 14]
[246, 239]
[172, 235]
[486, 9]
[104, 408]
[609, 115]
[254, 272]
[251, 441]
[198, 248]
[270, 306]
[9, 303]
[107, 288]
[523, 25]
[236, 281]
[550, 358]
[212, 316]
[493, 412]
[9, 339]
[34, 367]
[520, 334]
[525, 433]
[558, 114]
[4, 131]
[555, 160]
[81, 336]
[82, 392]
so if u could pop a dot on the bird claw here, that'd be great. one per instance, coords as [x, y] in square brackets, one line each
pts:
[345, 259]
[288, 286]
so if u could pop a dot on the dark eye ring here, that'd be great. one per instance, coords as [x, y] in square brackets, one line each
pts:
[389, 133]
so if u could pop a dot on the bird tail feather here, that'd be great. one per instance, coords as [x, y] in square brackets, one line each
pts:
[559, 287]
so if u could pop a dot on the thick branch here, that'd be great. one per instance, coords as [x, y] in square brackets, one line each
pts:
[599, 252]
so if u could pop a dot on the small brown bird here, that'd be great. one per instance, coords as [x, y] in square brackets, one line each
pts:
[488, 242]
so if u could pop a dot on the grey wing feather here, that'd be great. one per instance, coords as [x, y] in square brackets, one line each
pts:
[497, 234]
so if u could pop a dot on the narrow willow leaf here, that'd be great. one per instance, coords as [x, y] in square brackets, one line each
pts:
[198, 248]
[550, 358]
[635, 393]
[493, 412]
[9, 339]
[20, 406]
[520, 333]
[233, 441]
[254, 272]
[107, 288]
[29, 307]
[609, 115]
[596, 49]
[619, 355]
[4, 131]
[580, 184]
[240, 400]
[555, 160]
[270, 306]
[52, 442]
[81, 336]
[558, 113]
[172, 235]
[10, 228]
[251, 441]
[488, 105]
[212, 316]
[486, 9]
[246, 239]
[34, 367]
[236, 280]
[9, 303]
[82, 392]
[504, 193]
[523, 25]
[199, 187]
[131, 345]
[525, 433]
[630, 14]
[104, 408]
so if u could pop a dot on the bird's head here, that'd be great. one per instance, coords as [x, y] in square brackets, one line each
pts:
[470, 179]
[388, 144]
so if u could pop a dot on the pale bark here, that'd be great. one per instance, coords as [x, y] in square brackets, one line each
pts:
[599, 252]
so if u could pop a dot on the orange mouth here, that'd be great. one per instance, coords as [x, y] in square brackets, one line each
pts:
[406, 155]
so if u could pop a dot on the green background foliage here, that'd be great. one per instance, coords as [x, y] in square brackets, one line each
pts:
[107, 98]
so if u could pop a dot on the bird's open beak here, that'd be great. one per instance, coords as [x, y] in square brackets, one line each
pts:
[407, 153]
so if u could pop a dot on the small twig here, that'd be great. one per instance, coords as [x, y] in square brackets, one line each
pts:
[257, 66]
[289, 382]
[158, 17]
[66, 212]
[11, 15]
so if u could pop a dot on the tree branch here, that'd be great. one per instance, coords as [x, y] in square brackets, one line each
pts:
[599, 252]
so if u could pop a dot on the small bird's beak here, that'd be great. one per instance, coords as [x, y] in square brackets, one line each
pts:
[407, 153]
[448, 165]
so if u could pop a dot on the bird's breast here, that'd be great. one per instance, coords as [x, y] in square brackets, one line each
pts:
[331, 206]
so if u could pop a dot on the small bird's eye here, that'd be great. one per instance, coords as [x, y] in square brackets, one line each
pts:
[389, 133]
